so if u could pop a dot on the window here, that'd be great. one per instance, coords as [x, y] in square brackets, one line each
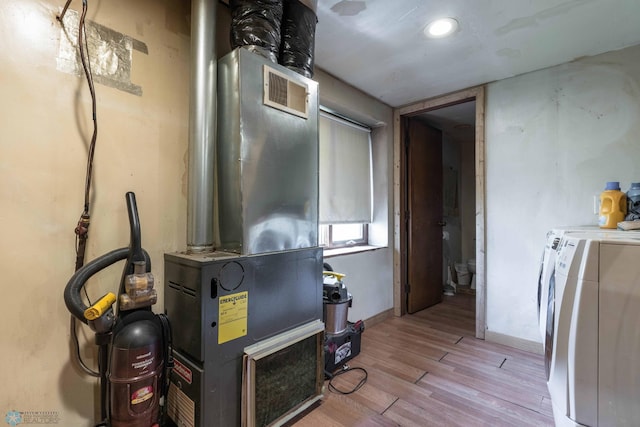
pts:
[341, 235]
[345, 182]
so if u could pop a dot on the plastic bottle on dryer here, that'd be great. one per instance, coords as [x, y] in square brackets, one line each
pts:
[613, 206]
[633, 202]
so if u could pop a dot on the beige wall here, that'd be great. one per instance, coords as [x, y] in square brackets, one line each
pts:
[45, 128]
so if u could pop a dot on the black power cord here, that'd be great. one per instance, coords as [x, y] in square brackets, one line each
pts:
[332, 388]
[76, 346]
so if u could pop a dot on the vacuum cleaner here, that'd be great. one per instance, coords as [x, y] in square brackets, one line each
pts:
[134, 354]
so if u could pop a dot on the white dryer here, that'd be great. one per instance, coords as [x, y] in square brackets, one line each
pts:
[547, 264]
[562, 286]
[603, 376]
[547, 268]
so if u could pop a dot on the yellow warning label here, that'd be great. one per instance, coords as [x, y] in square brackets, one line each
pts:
[232, 316]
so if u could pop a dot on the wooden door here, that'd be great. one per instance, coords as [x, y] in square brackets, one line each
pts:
[423, 199]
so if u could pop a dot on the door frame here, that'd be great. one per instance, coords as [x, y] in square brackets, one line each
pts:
[399, 240]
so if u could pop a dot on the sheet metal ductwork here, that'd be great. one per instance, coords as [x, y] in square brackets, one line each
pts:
[202, 126]
[282, 31]
[267, 156]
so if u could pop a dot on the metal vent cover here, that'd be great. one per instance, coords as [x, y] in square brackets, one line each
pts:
[278, 89]
[285, 94]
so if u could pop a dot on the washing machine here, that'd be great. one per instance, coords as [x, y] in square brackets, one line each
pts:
[562, 287]
[603, 375]
[547, 269]
[548, 260]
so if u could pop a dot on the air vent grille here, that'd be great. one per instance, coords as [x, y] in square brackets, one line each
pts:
[278, 89]
[285, 93]
[182, 289]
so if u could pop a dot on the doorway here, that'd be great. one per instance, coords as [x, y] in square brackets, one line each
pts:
[468, 247]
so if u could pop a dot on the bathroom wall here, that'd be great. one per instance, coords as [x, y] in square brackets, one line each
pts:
[451, 172]
[459, 157]
[553, 138]
[458, 161]
[467, 196]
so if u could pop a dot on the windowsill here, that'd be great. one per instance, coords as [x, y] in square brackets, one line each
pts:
[328, 253]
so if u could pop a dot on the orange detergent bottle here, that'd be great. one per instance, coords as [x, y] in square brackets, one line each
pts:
[613, 206]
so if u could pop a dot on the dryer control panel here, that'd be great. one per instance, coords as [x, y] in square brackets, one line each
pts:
[566, 255]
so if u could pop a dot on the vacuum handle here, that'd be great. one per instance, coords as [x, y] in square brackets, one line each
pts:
[101, 307]
[135, 242]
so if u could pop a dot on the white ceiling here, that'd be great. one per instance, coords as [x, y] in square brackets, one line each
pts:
[378, 46]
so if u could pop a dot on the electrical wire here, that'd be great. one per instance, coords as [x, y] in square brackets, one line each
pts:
[84, 221]
[74, 339]
[167, 345]
[82, 228]
[64, 10]
[83, 47]
[86, 65]
[332, 388]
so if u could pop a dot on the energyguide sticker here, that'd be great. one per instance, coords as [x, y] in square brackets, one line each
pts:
[232, 316]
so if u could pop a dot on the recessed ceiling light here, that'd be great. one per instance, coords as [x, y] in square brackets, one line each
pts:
[441, 28]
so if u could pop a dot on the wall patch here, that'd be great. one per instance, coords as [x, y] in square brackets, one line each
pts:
[110, 53]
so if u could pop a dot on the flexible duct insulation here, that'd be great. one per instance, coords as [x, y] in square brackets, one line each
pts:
[282, 31]
[255, 25]
[298, 37]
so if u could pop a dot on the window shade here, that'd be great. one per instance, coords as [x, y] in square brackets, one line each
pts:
[345, 172]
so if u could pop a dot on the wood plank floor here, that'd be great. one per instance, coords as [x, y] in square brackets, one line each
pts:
[427, 369]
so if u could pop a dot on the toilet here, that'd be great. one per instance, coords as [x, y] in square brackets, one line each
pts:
[462, 272]
[471, 266]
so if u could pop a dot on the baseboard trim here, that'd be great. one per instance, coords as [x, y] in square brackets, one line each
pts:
[378, 318]
[515, 342]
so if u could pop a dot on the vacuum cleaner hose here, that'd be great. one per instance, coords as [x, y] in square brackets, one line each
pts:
[72, 296]
[134, 252]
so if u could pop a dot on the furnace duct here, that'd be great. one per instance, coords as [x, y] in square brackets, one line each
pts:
[298, 36]
[282, 31]
[202, 126]
[267, 156]
[255, 25]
